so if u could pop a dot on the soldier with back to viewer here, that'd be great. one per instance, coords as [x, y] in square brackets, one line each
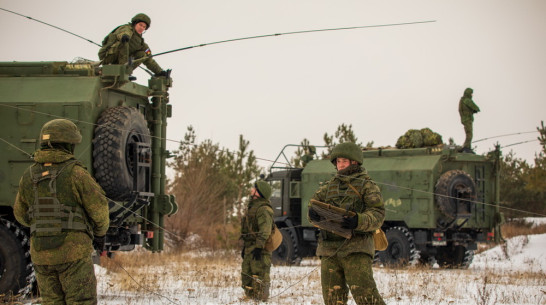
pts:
[67, 213]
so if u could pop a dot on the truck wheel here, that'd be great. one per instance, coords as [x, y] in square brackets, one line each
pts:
[456, 257]
[117, 128]
[16, 270]
[401, 250]
[286, 253]
[453, 186]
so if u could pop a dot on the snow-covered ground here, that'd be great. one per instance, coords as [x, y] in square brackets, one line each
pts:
[514, 273]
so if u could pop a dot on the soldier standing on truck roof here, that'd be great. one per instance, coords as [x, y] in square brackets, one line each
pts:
[67, 212]
[346, 264]
[467, 108]
[126, 40]
[256, 227]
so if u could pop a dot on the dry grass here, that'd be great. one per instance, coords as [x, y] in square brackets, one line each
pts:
[213, 278]
[521, 227]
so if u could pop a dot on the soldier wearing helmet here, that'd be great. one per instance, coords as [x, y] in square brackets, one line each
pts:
[66, 211]
[126, 41]
[467, 108]
[346, 263]
[256, 228]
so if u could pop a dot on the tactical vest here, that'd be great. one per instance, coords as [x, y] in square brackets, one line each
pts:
[248, 231]
[347, 199]
[48, 216]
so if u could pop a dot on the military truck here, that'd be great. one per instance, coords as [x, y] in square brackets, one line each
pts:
[439, 204]
[123, 126]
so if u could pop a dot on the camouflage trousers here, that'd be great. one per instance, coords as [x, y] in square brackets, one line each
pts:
[255, 276]
[468, 134]
[354, 272]
[69, 283]
[117, 53]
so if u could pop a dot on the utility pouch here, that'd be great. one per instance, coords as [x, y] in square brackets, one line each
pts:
[380, 240]
[274, 240]
[49, 242]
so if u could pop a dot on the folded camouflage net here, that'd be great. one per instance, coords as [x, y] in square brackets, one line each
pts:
[414, 138]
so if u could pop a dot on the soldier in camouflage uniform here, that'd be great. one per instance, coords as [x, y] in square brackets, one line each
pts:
[126, 40]
[256, 227]
[346, 264]
[65, 209]
[467, 108]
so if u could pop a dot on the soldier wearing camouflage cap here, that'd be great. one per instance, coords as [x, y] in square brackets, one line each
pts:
[126, 40]
[256, 228]
[66, 210]
[467, 108]
[346, 264]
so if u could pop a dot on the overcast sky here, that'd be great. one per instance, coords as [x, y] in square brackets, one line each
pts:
[280, 90]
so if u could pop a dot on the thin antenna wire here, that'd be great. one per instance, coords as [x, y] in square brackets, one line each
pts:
[53, 26]
[292, 33]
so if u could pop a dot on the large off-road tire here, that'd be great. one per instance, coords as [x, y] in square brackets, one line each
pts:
[401, 250]
[452, 187]
[456, 257]
[287, 252]
[16, 270]
[117, 128]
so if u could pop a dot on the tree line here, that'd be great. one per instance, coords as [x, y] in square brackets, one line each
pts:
[211, 185]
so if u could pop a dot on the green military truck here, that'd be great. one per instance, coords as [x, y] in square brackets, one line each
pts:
[123, 126]
[439, 204]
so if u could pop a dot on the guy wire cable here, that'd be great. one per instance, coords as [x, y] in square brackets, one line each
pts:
[94, 124]
[57, 116]
[501, 207]
[504, 135]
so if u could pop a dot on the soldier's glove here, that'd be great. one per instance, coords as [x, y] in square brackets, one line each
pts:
[313, 215]
[257, 254]
[162, 73]
[125, 38]
[98, 243]
[350, 222]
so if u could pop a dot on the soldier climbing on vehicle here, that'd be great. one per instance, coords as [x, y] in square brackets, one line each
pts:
[125, 44]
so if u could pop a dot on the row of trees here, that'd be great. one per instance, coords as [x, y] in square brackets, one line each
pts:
[523, 186]
[211, 184]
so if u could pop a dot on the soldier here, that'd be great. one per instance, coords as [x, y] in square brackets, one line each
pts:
[256, 227]
[467, 108]
[64, 208]
[347, 263]
[126, 40]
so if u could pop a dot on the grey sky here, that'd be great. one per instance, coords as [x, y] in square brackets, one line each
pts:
[279, 90]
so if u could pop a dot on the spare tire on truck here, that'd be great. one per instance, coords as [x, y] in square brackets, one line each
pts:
[117, 129]
[454, 192]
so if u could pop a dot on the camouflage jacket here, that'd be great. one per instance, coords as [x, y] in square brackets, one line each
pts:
[137, 47]
[467, 108]
[77, 185]
[256, 224]
[368, 205]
